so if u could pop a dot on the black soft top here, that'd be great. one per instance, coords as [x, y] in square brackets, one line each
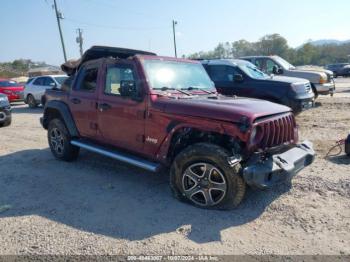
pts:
[96, 52]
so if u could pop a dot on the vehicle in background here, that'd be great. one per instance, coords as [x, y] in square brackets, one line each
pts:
[35, 88]
[153, 112]
[5, 111]
[12, 89]
[339, 69]
[321, 80]
[242, 78]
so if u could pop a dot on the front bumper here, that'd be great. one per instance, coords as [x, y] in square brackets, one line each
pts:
[299, 105]
[325, 89]
[266, 171]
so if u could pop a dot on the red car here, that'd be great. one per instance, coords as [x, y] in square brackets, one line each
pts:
[12, 89]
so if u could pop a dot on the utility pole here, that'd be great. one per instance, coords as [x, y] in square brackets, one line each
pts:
[174, 33]
[80, 40]
[59, 17]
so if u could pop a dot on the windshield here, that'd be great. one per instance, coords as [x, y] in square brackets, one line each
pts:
[284, 63]
[8, 83]
[177, 75]
[60, 79]
[252, 71]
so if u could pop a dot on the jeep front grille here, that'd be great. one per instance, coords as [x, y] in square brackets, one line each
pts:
[277, 131]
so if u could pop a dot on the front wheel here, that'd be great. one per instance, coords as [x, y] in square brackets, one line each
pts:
[314, 90]
[6, 123]
[59, 141]
[202, 176]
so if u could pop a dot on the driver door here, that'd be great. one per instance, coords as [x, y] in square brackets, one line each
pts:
[121, 119]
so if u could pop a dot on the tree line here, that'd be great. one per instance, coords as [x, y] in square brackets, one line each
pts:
[275, 44]
[18, 67]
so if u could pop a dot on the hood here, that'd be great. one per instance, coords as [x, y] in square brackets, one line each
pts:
[287, 79]
[311, 75]
[315, 69]
[220, 108]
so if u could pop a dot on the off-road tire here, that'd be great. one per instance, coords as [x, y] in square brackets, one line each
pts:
[31, 101]
[215, 156]
[59, 141]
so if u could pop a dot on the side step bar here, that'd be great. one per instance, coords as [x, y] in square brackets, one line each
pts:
[132, 160]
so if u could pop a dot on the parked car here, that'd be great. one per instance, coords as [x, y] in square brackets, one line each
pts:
[321, 80]
[159, 112]
[242, 78]
[5, 111]
[35, 88]
[12, 89]
[339, 69]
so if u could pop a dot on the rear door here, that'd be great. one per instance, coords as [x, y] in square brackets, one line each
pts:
[49, 83]
[121, 120]
[37, 88]
[83, 100]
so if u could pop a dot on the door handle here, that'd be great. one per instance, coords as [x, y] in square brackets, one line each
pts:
[75, 101]
[104, 107]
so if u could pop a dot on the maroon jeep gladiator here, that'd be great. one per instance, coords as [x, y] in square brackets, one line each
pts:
[153, 112]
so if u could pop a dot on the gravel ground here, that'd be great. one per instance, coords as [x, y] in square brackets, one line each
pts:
[100, 206]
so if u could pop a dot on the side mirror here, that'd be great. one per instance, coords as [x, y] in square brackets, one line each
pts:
[54, 86]
[277, 70]
[238, 78]
[128, 89]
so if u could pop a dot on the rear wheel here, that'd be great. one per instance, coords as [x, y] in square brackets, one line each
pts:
[31, 101]
[202, 176]
[43, 100]
[59, 141]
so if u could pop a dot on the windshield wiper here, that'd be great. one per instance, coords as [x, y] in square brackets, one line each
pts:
[165, 88]
[198, 88]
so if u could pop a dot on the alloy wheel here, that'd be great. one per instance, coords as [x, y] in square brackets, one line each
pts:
[57, 140]
[204, 184]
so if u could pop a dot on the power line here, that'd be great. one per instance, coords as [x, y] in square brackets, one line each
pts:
[129, 11]
[115, 27]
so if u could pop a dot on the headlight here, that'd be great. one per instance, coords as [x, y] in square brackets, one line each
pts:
[3, 99]
[299, 87]
[256, 135]
[323, 79]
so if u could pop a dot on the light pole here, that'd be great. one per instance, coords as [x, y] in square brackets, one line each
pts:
[79, 40]
[59, 17]
[174, 33]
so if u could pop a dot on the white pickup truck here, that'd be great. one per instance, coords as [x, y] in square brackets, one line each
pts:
[321, 80]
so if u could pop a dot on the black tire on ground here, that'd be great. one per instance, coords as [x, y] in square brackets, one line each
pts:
[59, 141]
[314, 90]
[31, 101]
[43, 100]
[206, 162]
[6, 123]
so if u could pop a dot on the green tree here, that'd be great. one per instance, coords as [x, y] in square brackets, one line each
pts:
[272, 45]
